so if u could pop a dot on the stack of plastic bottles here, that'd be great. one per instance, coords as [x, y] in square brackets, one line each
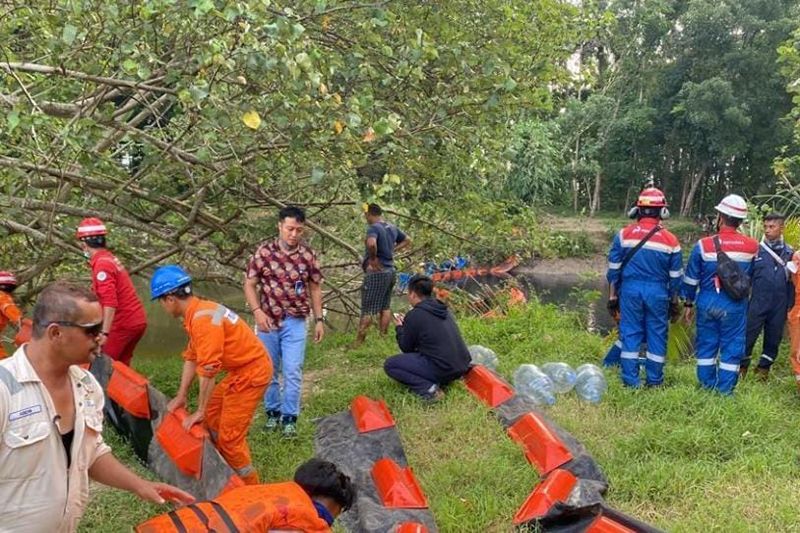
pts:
[482, 355]
[542, 384]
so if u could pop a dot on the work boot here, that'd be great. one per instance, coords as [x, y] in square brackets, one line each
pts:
[762, 374]
[742, 372]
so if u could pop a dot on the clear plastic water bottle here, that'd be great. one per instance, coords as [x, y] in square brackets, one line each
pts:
[533, 383]
[562, 375]
[482, 355]
[590, 384]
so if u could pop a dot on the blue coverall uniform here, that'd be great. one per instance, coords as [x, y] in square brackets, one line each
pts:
[721, 320]
[771, 299]
[649, 280]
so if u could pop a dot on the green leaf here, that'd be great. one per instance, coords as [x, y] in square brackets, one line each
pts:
[13, 120]
[69, 33]
[130, 66]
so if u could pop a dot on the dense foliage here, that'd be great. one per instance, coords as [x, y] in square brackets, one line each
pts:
[186, 124]
[687, 94]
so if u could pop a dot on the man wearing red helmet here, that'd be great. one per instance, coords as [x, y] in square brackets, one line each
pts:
[9, 312]
[644, 274]
[124, 320]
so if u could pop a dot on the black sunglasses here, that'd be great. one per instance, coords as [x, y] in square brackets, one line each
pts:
[90, 330]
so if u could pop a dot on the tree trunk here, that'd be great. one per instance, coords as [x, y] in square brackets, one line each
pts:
[594, 207]
[696, 179]
[575, 174]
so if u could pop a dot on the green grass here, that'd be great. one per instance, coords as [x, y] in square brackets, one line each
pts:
[680, 458]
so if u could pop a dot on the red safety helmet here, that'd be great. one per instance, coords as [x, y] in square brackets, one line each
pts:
[651, 197]
[8, 278]
[91, 227]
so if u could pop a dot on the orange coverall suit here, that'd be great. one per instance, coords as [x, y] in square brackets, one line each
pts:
[793, 321]
[220, 340]
[9, 312]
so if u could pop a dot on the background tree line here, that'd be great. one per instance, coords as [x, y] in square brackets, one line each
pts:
[690, 95]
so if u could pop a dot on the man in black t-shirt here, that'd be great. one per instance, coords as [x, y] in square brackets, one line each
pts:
[382, 241]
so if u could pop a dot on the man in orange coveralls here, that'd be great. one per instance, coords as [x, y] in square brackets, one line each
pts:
[124, 320]
[793, 319]
[319, 493]
[9, 312]
[218, 340]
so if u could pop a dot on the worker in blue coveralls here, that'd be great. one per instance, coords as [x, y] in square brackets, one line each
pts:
[644, 273]
[721, 320]
[773, 296]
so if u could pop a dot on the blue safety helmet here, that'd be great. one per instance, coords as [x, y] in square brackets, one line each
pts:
[167, 279]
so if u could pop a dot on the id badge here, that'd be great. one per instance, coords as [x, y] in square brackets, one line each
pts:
[299, 287]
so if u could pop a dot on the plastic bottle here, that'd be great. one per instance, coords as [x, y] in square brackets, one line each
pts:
[533, 383]
[482, 355]
[562, 376]
[590, 384]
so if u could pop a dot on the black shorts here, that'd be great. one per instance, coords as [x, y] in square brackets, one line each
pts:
[376, 291]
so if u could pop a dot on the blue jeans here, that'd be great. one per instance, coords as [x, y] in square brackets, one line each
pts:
[287, 348]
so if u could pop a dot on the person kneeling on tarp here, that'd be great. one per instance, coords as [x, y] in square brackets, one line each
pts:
[319, 493]
[218, 340]
[434, 354]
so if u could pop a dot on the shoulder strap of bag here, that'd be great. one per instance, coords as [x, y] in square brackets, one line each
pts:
[775, 256]
[638, 246]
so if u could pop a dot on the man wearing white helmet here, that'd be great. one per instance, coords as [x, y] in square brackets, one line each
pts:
[720, 267]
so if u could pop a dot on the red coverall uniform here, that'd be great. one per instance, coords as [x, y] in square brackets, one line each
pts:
[9, 312]
[220, 340]
[114, 288]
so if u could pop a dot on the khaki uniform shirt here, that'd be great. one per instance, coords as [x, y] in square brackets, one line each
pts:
[38, 493]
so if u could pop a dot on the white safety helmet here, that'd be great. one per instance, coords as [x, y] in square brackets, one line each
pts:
[734, 206]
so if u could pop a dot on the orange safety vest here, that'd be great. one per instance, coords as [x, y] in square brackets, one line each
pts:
[248, 509]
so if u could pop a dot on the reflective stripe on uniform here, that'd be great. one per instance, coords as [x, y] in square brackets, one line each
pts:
[10, 381]
[675, 273]
[614, 266]
[618, 344]
[768, 358]
[219, 314]
[706, 362]
[656, 358]
[629, 355]
[690, 281]
[730, 367]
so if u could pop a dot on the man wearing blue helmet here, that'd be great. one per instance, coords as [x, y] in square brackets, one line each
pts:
[218, 341]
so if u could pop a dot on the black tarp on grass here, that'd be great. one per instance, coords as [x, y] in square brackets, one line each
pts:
[337, 440]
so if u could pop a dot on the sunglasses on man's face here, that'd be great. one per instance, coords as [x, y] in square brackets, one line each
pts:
[90, 330]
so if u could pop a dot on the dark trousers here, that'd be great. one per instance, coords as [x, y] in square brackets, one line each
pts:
[414, 371]
[764, 315]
